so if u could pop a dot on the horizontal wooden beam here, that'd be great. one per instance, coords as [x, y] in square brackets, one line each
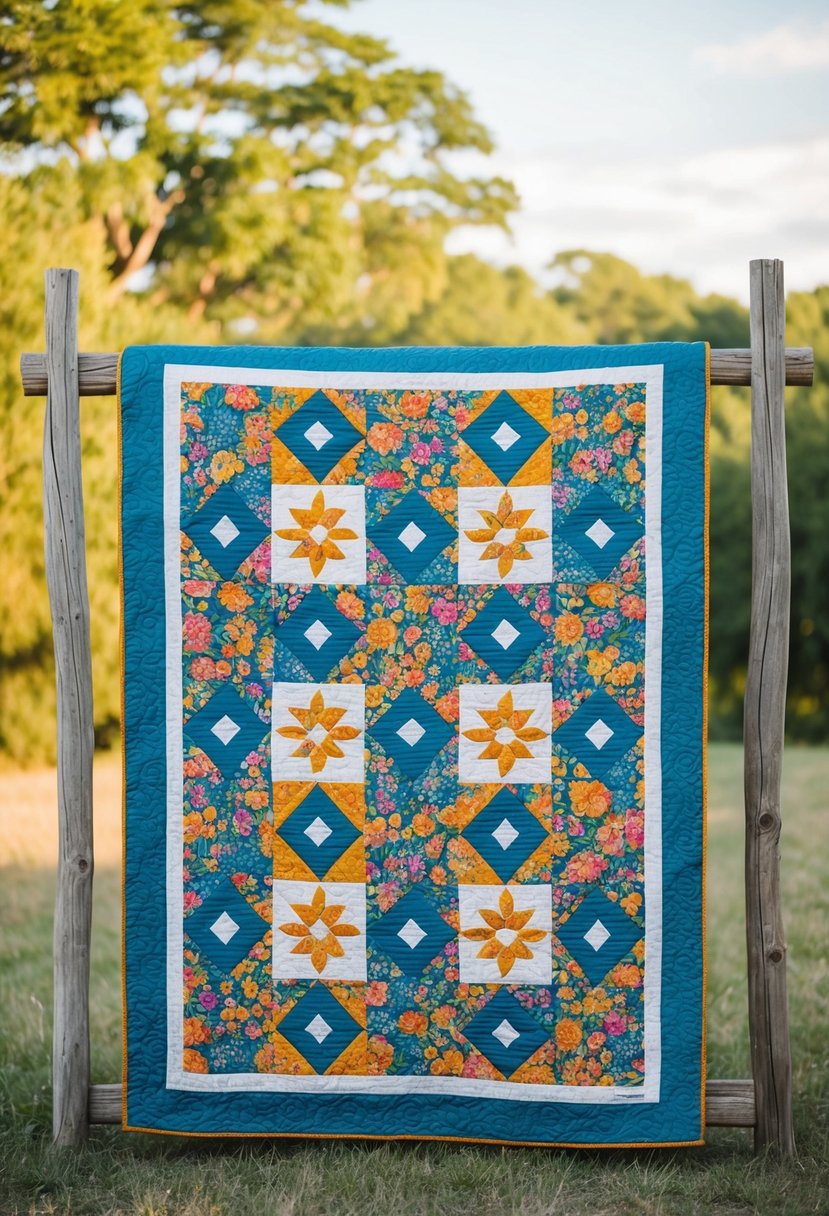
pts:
[96, 373]
[727, 1104]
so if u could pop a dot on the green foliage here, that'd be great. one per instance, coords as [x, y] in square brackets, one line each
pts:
[247, 171]
[257, 159]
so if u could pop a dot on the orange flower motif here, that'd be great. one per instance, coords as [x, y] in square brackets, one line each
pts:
[381, 633]
[385, 437]
[194, 1061]
[234, 597]
[417, 600]
[506, 918]
[317, 533]
[506, 734]
[505, 519]
[324, 945]
[318, 732]
[568, 628]
[568, 1034]
[412, 1022]
[624, 674]
[196, 1031]
[603, 595]
[590, 798]
[563, 428]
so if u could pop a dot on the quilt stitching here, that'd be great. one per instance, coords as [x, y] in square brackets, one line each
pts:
[413, 706]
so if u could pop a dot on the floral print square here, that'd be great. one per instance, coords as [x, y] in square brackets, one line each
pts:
[411, 438]
[599, 439]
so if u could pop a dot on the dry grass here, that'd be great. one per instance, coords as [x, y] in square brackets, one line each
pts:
[29, 816]
[118, 1175]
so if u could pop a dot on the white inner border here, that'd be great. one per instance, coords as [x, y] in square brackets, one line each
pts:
[651, 375]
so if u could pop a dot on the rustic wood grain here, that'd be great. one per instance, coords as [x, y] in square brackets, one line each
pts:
[97, 372]
[727, 1104]
[66, 578]
[765, 705]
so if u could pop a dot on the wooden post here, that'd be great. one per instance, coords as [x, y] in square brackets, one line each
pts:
[66, 577]
[765, 705]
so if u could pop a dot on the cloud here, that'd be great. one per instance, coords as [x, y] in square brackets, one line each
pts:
[791, 47]
[701, 217]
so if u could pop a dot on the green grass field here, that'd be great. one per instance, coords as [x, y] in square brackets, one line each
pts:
[157, 1176]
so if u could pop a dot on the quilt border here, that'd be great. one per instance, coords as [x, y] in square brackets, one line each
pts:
[543, 359]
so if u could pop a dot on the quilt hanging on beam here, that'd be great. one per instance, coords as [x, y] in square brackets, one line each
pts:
[414, 678]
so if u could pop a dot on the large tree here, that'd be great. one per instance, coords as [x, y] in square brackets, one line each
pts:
[217, 169]
[245, 159]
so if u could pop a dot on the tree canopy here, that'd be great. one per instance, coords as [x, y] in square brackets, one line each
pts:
[258, 165]
[244, 170]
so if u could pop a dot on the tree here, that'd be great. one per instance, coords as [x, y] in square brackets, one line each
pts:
[256, 164]
[479, 305]
[231, 169]
[217, 168]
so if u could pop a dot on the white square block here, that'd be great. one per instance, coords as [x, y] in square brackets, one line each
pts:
[505, 947]
[505, 535]
[333, 945]
[499, 724]
[319, 534]
[310, 723]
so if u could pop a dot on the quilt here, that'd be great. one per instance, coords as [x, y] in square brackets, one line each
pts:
[414, 658]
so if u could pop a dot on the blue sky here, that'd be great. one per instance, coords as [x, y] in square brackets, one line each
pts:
[688, 137]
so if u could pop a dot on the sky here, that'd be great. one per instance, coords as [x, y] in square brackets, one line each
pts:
[685, 137]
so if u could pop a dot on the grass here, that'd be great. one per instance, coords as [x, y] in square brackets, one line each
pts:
[159, 1176]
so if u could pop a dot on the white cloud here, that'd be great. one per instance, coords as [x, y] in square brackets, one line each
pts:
[702, 217]
[786, 48]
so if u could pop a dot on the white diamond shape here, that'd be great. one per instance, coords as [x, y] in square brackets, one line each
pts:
[225, 928]
[225, 729]
[318, 435]
[317, 634]
[597, 935]
[318, 1028]
[505, 1033]
[411, 933]
[505, 437]
[411, 536]
[599, 734]
[505, 634]
[600, 533]
[505, 833]
[411, 732]
[225, 531]
[318, 831]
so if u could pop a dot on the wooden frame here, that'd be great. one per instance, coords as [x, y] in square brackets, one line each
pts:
[765, 1101]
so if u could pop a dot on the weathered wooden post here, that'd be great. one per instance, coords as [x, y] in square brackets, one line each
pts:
[765, 705]
[66, 577]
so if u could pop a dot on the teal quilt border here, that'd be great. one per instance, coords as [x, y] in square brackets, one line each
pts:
[678, 1117]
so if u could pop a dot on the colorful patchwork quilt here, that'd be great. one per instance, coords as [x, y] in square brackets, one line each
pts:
[414, 680]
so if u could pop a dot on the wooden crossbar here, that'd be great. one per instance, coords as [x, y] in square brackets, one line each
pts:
[727, 1104]
[96, 373]
[765, 1101]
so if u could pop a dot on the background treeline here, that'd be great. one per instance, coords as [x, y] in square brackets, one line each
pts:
[248, 172]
